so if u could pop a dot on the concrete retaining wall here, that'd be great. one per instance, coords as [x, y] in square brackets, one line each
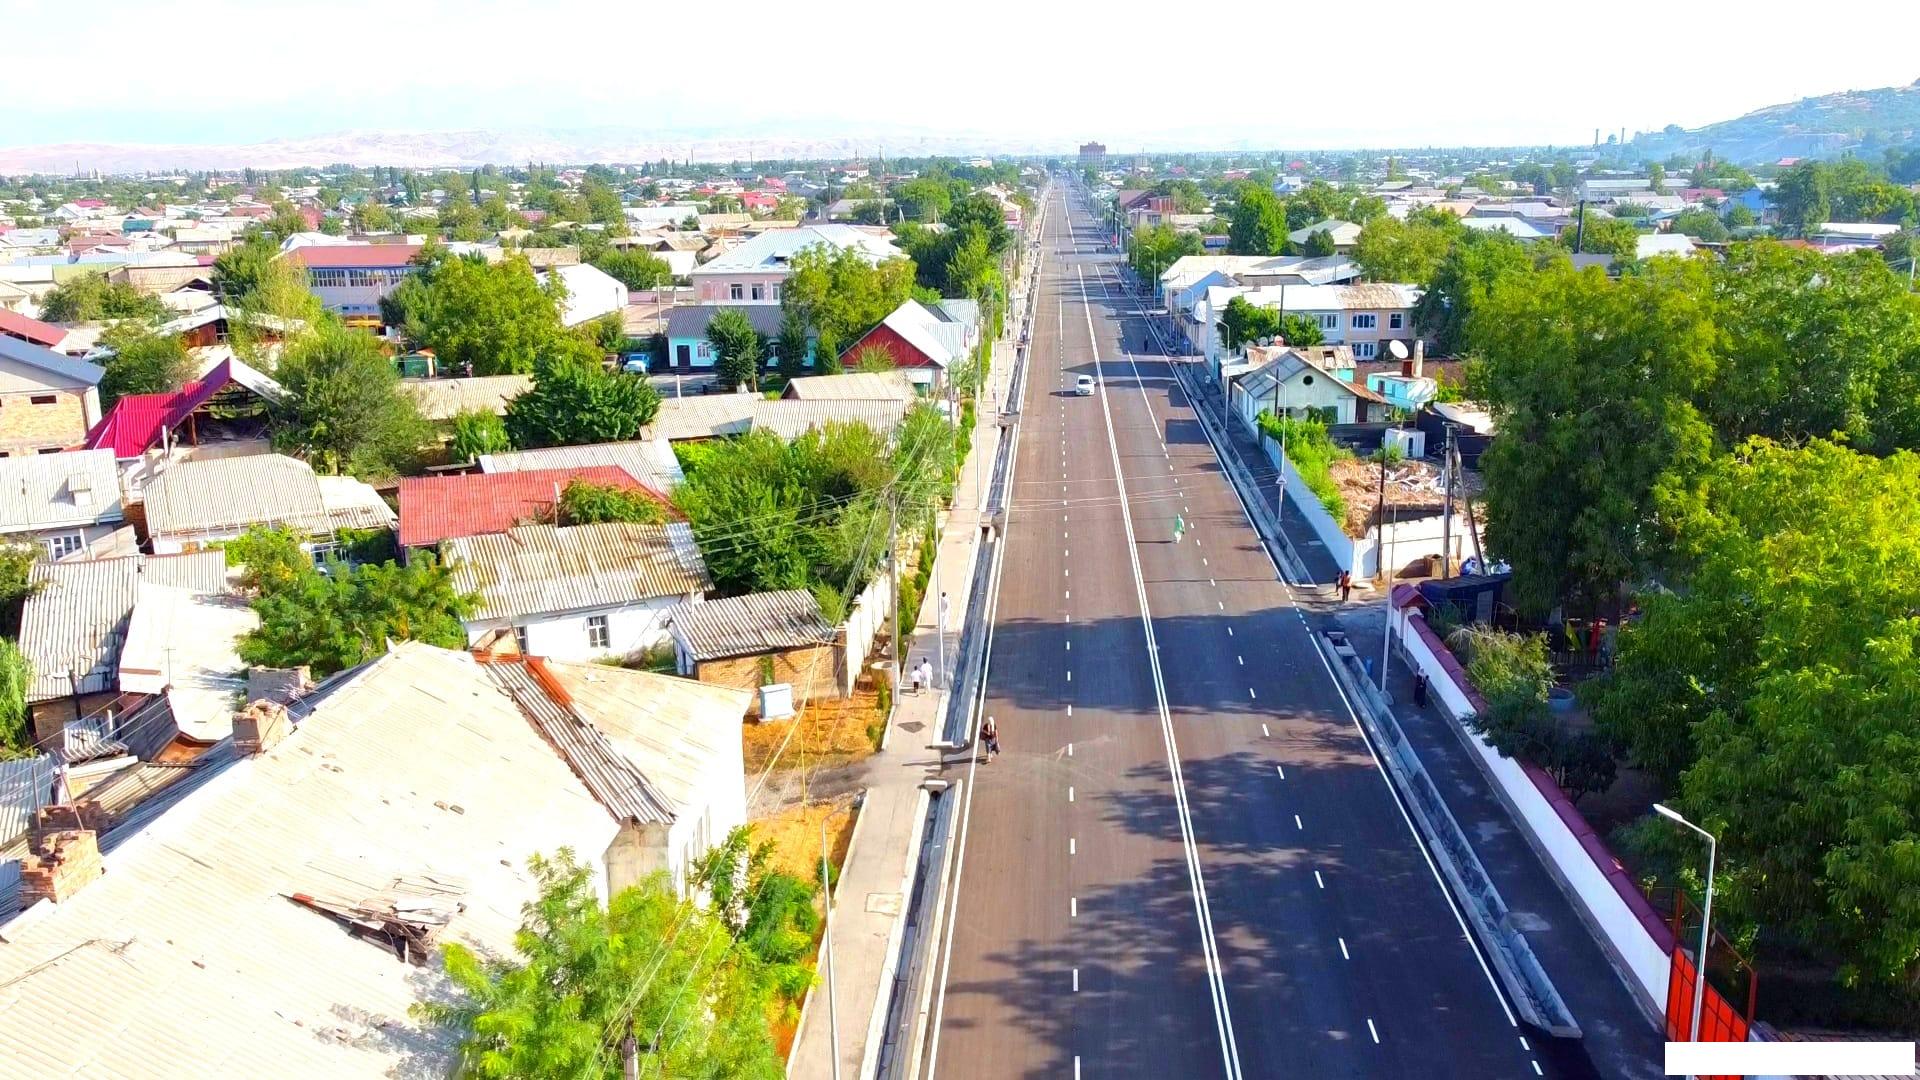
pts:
[1604, 893]
[1301, 500]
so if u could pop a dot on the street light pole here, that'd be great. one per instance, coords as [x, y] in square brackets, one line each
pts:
[1706, 917]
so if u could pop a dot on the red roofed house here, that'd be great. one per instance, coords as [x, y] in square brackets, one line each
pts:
[437, 508]
[31, 331]
[138, 423]
[923, 341]
[351, 279]
[759, 200]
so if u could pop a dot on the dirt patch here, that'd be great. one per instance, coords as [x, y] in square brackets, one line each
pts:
[830, 732]
[1413, 490]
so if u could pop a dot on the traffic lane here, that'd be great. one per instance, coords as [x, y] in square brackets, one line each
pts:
[1401, 919]
[1130, 928]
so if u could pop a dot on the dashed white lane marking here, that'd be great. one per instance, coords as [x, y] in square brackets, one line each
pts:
[1069, 646]
[1073, 912]
[1242, 659]
[1344, 955]
[1072, 846]
[1069, 749]
[1264, 732]
[1069, 710]
[1373, 1031]
[1066, 552]
[1536, 1068]
[1251, 694]
[1076, 980]
[1066, 571]
[1296, 823]
[1524, 1046]
[1203, 561]
[1229, 631]
[1069, 676]
[1187, 509]
[1069, 594]
[1222, 603]
[1213, 583]
[1282, 770]
[1318, 880]
[1076, 1067]
[1069, 792]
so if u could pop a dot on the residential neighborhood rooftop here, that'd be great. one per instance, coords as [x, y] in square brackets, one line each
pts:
[532, 569]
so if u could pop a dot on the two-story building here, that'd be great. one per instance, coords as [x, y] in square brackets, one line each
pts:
[351, 279]
[47, 401]
[1363, 317]
[754, 271]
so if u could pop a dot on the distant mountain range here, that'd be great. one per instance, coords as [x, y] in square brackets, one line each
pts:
[470, 148]
[1864, 121]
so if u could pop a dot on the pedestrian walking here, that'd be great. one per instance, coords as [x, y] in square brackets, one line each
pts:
[1179, 527]
[1346, 585]
[1419, 689]
[926, 673]
[990, 735]
[913, 678]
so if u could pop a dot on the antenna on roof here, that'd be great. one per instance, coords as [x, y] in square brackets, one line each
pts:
[1398, 349]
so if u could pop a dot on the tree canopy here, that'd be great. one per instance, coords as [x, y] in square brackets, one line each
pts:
[1460, 282]
[143, 362]
[575, 401]
[92, 298]
[492, 318]
[737, 348]
[1409, 251]
[343, 410]
[1259, 222]
[634, 268]
[841, 295]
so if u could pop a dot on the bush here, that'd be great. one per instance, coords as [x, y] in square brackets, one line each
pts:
[585, 503]
[1312, 454]
[476, 432]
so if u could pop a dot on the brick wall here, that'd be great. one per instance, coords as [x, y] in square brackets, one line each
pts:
[27, 427]
[813, 672]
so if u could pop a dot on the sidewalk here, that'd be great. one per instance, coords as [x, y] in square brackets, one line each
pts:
[870, 899]
[1618, 1040]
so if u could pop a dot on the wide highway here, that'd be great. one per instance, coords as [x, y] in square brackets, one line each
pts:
[1186, 861]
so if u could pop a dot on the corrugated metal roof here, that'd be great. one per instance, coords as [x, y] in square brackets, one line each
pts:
[48, 491]
[538, 569]
[32, 331]
[26, 784]
[215, 495]
[352, 255]
[852, 385]
[615, 781]
[705, 416]
[134, 424]
[790, 419]
[436, 508]
[654, 466]
[750, 625]
[76, 372]
[78, 620]
[443, 399]
[416, 778]
[690, 320]
[774, 249]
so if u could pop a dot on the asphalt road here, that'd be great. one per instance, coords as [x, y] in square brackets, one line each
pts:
[1186, 861]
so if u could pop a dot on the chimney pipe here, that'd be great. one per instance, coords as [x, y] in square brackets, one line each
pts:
[1419, 361]
[63, 852]
[260, 726]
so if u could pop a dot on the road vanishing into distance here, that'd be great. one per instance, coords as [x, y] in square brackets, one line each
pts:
[1186, 861]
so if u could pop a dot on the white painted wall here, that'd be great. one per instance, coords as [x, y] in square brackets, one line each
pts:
[1302, 502]
[631, 628]
[1606, 911]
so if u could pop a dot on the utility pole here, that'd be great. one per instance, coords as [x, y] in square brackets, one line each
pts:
[1386, 575]
[893, 570]
[833, 1007]
[1446, 513]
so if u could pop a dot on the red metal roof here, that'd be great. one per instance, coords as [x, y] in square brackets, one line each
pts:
[436, 508]
[133, 425]
[353, 256]
[45, 335]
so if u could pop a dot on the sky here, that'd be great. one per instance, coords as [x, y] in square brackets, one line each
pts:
[1133, 75]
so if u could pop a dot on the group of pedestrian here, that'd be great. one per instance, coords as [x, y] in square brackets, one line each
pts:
[920, 676]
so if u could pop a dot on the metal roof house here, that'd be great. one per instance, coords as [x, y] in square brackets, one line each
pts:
[68, 504]
[279, 909]
[199, 502]
[578, 592]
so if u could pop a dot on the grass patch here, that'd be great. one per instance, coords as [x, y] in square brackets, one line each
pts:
[1312, 454]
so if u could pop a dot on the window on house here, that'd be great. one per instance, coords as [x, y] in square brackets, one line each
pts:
[597, 635]
[1363, 350]
[323, 552]
[1329, 322]
[736, 292]
[774, 292]
[59, 547]
[45, 399]
[520, 639]
[1397, 320]
[759, 293]
[1366, 321]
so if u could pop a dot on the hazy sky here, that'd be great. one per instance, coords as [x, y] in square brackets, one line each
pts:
[1284, 73]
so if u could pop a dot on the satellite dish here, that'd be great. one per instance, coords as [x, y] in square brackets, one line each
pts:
[1398, 349]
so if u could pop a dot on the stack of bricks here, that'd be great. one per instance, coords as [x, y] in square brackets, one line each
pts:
[259, 726]
[65, 854]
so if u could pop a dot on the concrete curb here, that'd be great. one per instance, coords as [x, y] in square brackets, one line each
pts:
[878, 1018]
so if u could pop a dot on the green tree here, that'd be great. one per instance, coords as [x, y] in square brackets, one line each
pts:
[335, 620]
[1605, 236]
[1593, 383]
[873, 359]
[1259, 223]
[476, 432]
[574, 401]
[286, 220]
[16, 677]
[1460, 282]
[343, 409]
[923, 199]
[16, 583]
[634, 268]
[238, 270]
[1788, 722]
[1153, 248]
[1405, 251]
[770, 912]
[790, 348]
[647, 963]
[1319, 244]
[1242, 323]
[372, 217]
[496, 319]
[1701, 225]
[1801, 196]
[91, 298]
[737, 348]
[841, 294]
[1301, 330]
[143, 362]
[583, 502]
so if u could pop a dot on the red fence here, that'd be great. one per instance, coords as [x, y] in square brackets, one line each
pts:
[1719, 1020]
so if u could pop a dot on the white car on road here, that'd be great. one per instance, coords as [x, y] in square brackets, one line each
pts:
[1083, 386]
